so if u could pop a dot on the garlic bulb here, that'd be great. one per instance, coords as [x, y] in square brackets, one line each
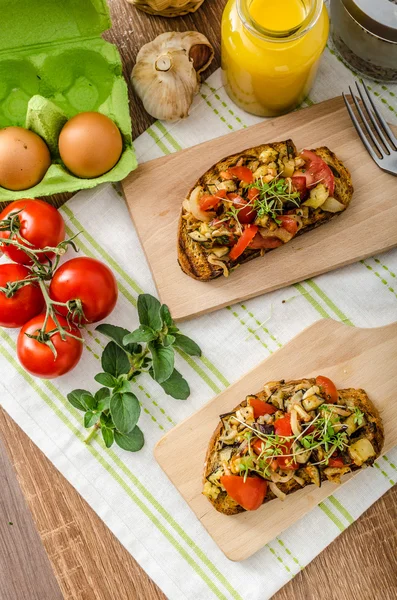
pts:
[167, 8]
[166, 75]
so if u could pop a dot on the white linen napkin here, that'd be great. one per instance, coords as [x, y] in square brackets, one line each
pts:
[129, 491]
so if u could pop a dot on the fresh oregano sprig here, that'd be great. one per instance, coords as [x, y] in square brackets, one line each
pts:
[114, 408]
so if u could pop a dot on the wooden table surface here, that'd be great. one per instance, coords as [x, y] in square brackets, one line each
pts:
[89, 563]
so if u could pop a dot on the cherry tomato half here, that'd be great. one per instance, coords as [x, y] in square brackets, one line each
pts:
[299, 184]
[289, 223]
[246, 214]
[244, 241]
[208, 202]
[39, 223]
[243, 173]
[38, 358]
[282, 427]
[317, 171]
[249, 493]
[328, 388]
[88, 280]
[261, 408]
[27, 301]
[260, 242]
[336, 462]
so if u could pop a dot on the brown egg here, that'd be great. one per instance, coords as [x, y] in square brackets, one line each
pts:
[90, 144]
[24, 158]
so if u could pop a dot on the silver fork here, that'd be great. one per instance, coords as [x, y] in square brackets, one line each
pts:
[386, 158]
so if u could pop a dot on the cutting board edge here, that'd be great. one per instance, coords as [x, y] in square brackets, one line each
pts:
[265, 122]
[180, 316]
[323, 326]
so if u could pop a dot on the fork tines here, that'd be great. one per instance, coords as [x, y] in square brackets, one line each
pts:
[383, 149]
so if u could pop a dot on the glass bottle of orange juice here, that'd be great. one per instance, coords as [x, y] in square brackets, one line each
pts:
[270, 52]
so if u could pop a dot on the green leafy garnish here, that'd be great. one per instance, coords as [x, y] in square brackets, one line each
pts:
[272, 197]
[115, 409]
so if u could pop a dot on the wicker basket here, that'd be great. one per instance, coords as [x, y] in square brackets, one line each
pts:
[167, 8]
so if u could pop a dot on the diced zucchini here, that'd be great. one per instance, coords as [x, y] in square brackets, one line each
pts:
[318, 196]
[228, 185]
[215, 476]
[352, 424]
[312, 402]
[211, 491]
[361, 450]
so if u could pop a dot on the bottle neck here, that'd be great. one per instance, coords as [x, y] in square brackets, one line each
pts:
[279, 20]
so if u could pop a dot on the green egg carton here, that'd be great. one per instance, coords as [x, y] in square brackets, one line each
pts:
[53, 65]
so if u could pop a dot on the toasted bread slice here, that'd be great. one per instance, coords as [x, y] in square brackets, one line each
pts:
[363, 423]
[192, 255]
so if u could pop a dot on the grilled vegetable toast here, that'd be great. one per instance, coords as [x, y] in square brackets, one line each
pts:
[290, 435]
[257, 200]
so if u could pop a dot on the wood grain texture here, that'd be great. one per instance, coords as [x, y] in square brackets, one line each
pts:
[364, 229]
[89, 562]
[362, 560]
[25, 571]
[352, 357]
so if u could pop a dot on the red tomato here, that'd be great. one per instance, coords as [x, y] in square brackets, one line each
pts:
[38, 358]
[40, 224]
[299, 183]
[261, 408]
[246, 213]
[329, 389]
[286, 462]
[253, 193]
[260, 242]
[317, 171]
[336, 462]
[208, 202]
[27, 302]
[244, 241]
[249, 493]
[289, 224]
[88, 280]
[282, 427]
[242, 173]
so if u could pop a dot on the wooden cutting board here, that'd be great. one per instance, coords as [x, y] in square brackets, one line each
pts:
[155, 191]
[351, 357]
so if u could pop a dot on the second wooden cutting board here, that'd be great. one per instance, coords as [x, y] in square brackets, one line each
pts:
[351, 357]
[155, 191]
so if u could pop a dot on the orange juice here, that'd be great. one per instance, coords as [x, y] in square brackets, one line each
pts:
[270, 52]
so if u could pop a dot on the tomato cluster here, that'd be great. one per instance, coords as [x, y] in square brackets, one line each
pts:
[82, 290]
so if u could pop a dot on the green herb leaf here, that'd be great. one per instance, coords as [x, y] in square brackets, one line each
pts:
[106, 421]
[142, 334]
[90, 418]
[108, 436]
[122, 386]
[187, 345]
[149, 311]
[163, 362]
[106, 379]
[116, 334]
[168, 340]
[132, 441]
[125, 411]
[115, 360]
[102, 397]
[88, 400]
[175, 386]
[166, 315]
[74, 398]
